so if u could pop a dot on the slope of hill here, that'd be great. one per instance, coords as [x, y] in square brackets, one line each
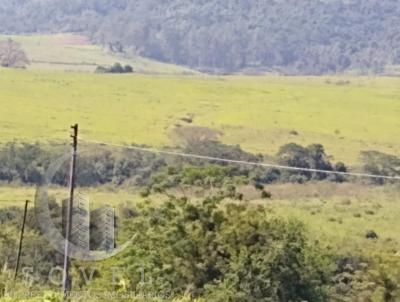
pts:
[72, 52]
[259, 113]
[289, 36]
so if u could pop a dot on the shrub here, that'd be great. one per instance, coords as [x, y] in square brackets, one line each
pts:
[310, 157]
[260, 175]
[101, 69]
[371, 235]
[128, 69]
[339, 167]
[259, 186]
[116, 68]
[266, 195]
[209, 250]
[380, 164]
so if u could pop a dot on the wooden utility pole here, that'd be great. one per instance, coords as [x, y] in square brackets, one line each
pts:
[66, 277]
[20, 240]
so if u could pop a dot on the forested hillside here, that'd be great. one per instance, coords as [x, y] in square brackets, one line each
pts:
[297, 37]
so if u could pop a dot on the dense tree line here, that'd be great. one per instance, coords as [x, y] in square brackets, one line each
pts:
[28, 163]
[296, 37]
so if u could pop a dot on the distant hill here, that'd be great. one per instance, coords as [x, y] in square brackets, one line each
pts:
[71, 52]
[286, 36]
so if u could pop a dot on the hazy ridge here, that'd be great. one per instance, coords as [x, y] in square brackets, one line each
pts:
[287, 36]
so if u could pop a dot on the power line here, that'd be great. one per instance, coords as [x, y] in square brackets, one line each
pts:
[241, 162]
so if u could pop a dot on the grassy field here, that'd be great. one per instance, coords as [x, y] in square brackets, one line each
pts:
[346, 115]
[16, 195]
[69, 52]
[339, 215]
[342, 220]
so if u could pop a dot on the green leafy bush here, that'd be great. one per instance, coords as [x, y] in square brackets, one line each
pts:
[232, 254]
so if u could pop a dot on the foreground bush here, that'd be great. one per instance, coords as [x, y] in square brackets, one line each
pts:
[235, 254]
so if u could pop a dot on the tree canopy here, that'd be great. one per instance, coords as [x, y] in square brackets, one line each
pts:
[288, 36]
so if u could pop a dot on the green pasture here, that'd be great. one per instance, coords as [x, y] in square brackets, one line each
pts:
[16, 195]
[346, 115]
[342, 221]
